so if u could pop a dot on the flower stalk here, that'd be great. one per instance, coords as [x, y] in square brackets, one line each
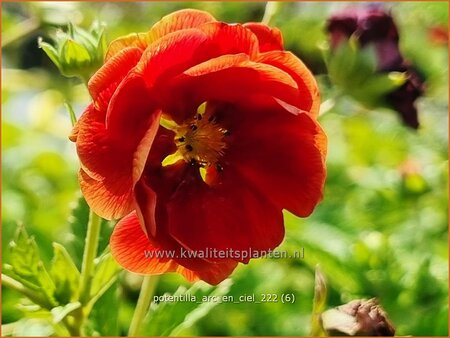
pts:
[270, 11]
[90, 252]
[148, 287]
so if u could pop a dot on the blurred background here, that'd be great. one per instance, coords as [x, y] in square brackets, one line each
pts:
[381, 230]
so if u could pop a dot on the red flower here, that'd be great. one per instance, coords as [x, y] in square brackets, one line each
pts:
[200, 132]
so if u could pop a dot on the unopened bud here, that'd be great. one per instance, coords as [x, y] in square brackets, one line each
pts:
[77, 52]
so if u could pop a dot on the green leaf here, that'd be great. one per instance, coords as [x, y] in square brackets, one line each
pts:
[27, 267]
[354, 71]
[65, 275]
[104, 317]
[350, 66]
[372, 93]
[51, 52]
[169, 317]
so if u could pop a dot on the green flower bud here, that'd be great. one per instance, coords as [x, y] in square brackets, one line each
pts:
[77, 52]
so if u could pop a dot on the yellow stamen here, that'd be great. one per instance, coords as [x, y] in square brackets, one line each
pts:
[202, 141]
[168, 124]
[199, 141]
[172, 159]
[203, 174]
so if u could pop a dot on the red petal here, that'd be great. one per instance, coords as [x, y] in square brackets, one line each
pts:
[177, 51]
[133, 120]
[134, 40]
[230, 39]
[229, 78]
[182, 19]
[94, 146]
[172, 54]
[269, 38]
[132, 250]
[110, 197]
[307, 85]
[104, 82]
[280, 153]
[115, 162]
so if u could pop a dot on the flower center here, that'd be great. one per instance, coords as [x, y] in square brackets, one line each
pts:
[201, 141]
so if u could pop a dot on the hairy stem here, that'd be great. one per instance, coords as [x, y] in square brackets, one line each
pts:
[90, 252]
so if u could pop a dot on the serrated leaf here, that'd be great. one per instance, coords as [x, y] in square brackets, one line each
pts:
[26, 266]
[65, 275]
[167, 317]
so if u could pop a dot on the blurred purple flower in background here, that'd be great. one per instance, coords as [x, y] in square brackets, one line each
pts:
[373, 26]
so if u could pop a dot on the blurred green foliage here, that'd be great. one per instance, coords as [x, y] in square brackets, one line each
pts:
[381, 230]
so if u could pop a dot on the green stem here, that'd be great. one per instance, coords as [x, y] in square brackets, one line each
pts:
[73, 117]
[270, 10]
[90, 252]
[147, 290]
